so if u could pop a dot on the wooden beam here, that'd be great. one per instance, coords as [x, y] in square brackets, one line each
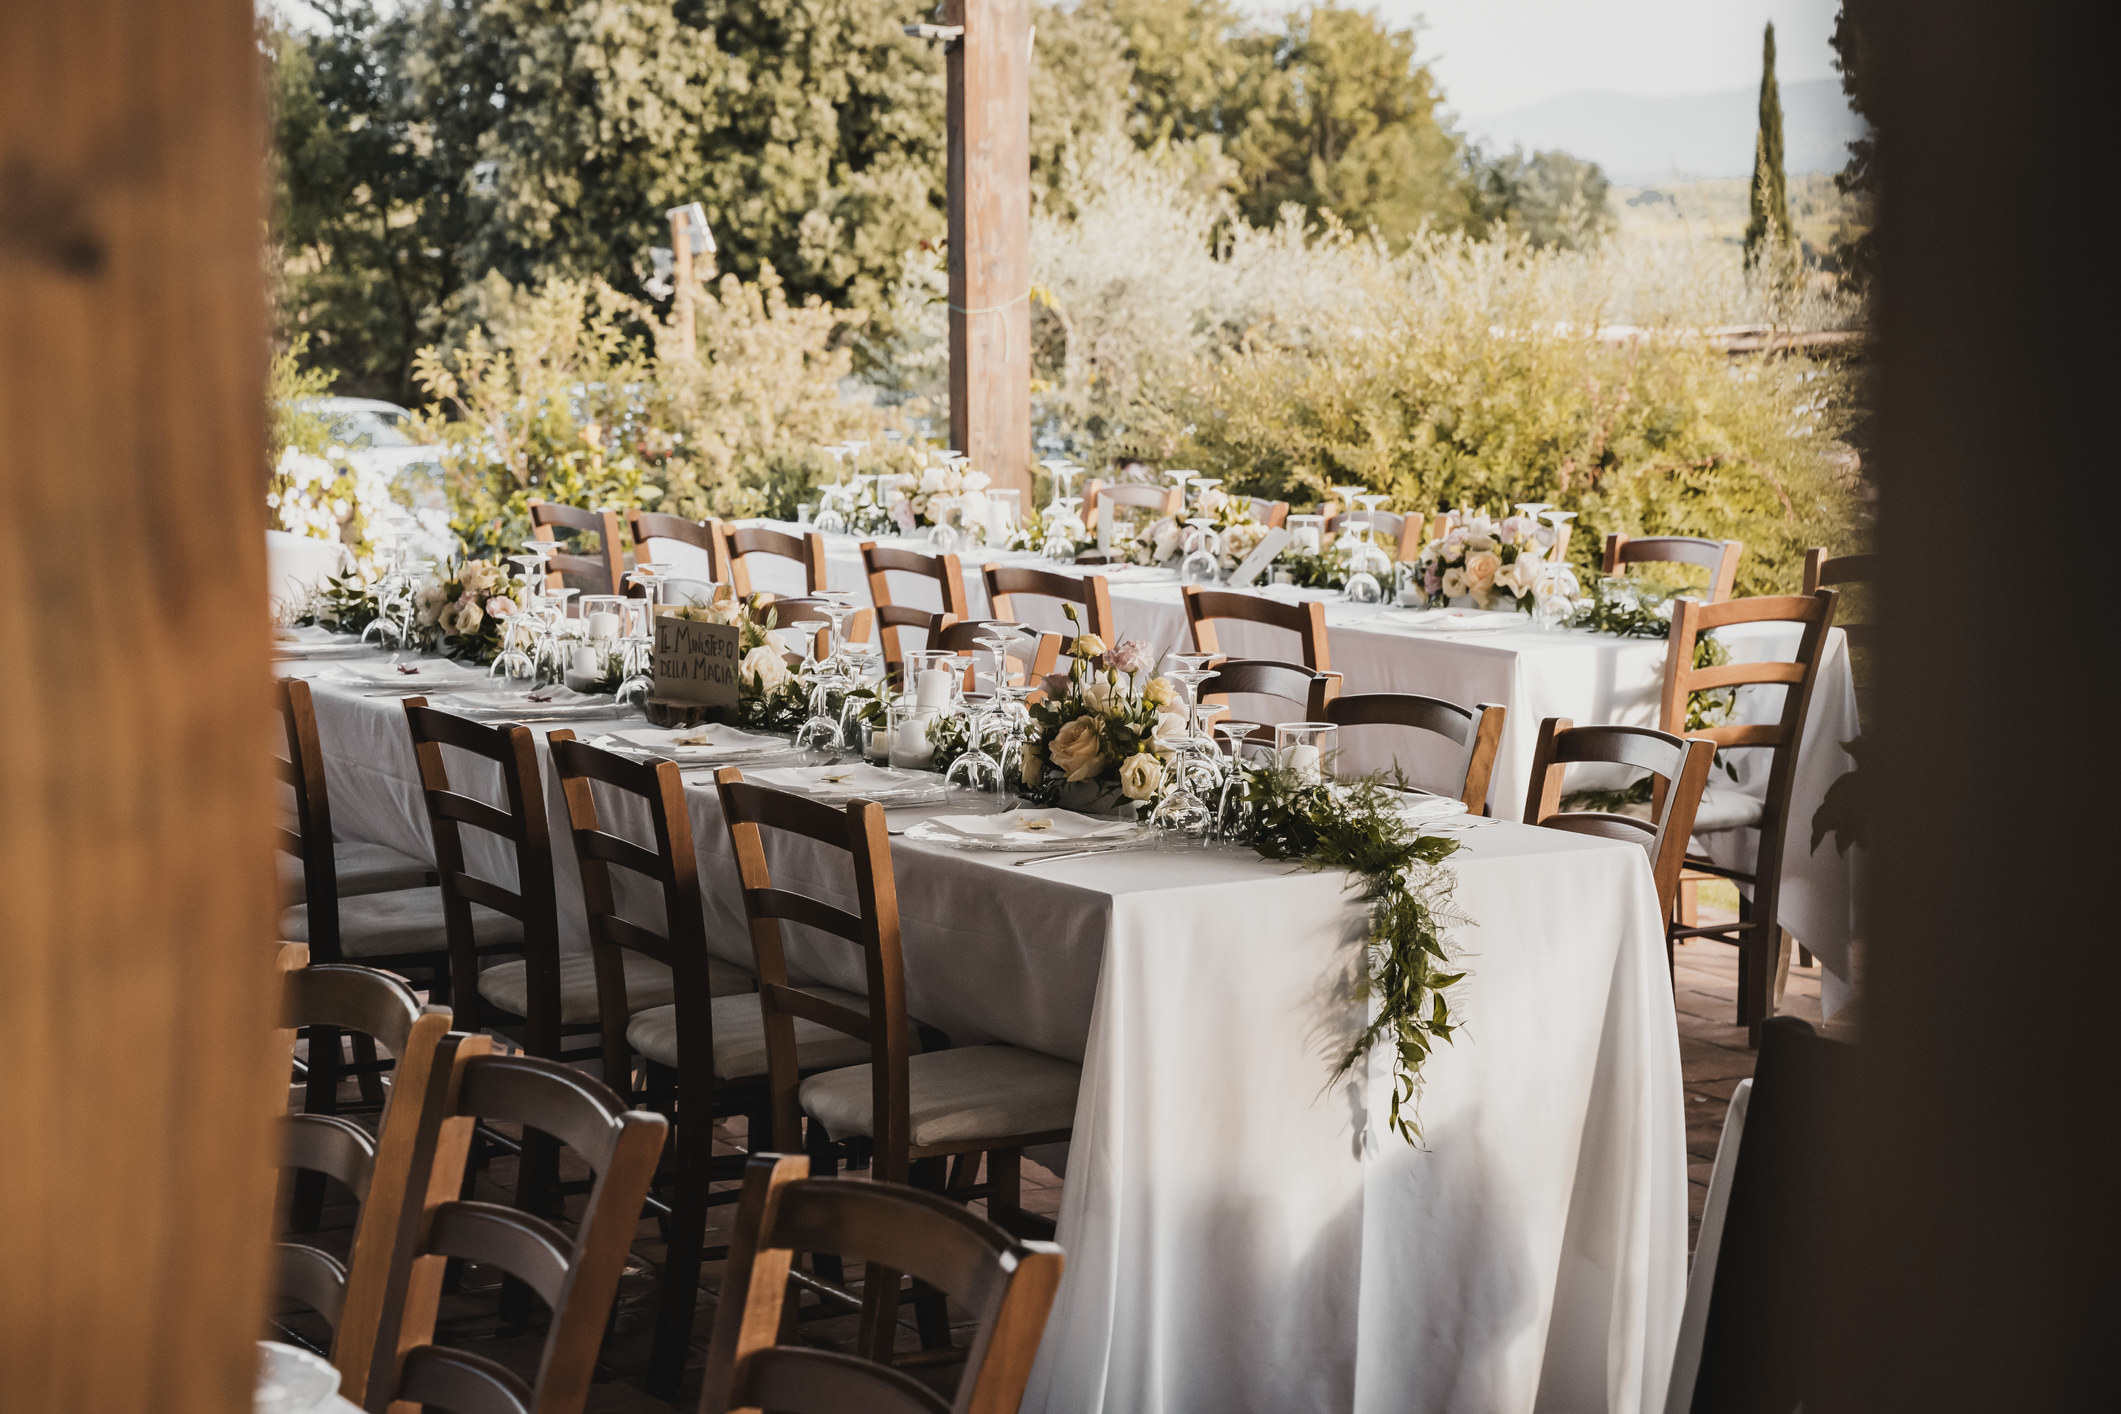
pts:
[137, 978]
[989, 71]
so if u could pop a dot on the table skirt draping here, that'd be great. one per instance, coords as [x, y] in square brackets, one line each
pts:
[1243, 1234]
[1582, 676]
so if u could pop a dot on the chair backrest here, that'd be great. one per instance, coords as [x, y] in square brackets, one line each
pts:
[741, 542]
[1307, 620]
[1006, 1284]
[1403, 533]
[1476, 731]
[1042, 657]
[592, 574]
[1690, 619]
[1719, 557]
[1157, 500]
[377, 1169]
[1680, 765]
[1822, 571]
[311, 839]
[858, 831]
[1312, 691]
[699, 534]
[1271, 514]
[576, 1278]
[787, 613]
[521, 822]
[1005, 582]
[672, 869]
[879, 563]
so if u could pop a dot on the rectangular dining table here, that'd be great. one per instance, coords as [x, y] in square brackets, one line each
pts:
[1243, 1230]
[1587, 677]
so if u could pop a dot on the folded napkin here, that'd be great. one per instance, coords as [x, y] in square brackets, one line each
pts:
[835, 785]
[426, 672]
[1035, 827]
[544, 702]
[1461, 620]
[1421, 809]
[706, 742]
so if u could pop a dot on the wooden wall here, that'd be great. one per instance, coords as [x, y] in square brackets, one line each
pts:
[136, 1080]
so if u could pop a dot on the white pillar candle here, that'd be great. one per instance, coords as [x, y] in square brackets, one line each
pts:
[1301, 759]
[912, 748]
[931, 689]
[603, 626]
[879, 744]
[587, 661]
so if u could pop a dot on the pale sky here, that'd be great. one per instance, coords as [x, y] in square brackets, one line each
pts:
[1492, 56]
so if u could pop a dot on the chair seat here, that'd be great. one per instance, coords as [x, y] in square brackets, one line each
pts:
[740, 1036]
[956, 1097]
[648, 984]
[362, 868]
[402, 923]
[1726, 808]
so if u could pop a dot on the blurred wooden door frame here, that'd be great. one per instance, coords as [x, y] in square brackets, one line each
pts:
[137, 980]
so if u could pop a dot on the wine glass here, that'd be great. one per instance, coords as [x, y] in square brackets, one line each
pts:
[512, 662]
[637, 646]
[1061, 528]
[1201, 564]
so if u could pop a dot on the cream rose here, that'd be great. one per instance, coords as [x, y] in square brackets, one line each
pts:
[1481, 568]
[1097, 696]
[1454, 582]
[1077, 750]
[764, 668]
[1087, 645]
[478, 576]
[1170, 726]
[1141, 776]
[1161, 692]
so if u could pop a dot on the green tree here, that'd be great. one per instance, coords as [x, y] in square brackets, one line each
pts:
[1548, 199]
[1769, 222]
[1194, 65]
[1855, 247]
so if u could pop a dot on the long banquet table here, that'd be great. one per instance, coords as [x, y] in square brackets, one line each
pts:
[1583, 676]
[1241, 1233]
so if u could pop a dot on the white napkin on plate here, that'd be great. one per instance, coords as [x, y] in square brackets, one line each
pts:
[1034, 827]
[1421, 809]
[837, 784]
[1459, 620]
[546, 701]
[709, 741]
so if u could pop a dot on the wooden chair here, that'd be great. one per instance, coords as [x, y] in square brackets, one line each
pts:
[1405, 534]
[1006, 1284]
[739, 543]
[1312, 691]
[592, 574]
[1476, 731]
[1271, 514]
[1006, 582]
[1039, 663]
[1719, 557]
[1758, 932]
[1822, 571]
[879, 563]
[577, 1278]
[1306, 620]
[915, 1110]
[699, 534]
[377, 1169]
[705, 1049]
[312, 864]
[1680, 765]
[1159, 501]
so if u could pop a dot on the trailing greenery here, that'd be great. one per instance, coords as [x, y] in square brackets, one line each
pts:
[1357, 826]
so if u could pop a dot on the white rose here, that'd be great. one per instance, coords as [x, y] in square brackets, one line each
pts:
[1164, 541]
[1481, 568]
[932, 480]
[1140, 776]
[1212, 501]
[1170, 726]
[764, 668]
[977, 481]
[1480, 541]
[1097, 695]
[1454, 582]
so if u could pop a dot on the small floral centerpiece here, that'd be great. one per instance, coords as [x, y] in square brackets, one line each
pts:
[1100, 736]
[462, 611]
[1484, 563]
[946, 492]
[1163, 541]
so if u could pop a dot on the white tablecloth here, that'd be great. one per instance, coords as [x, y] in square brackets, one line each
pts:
[1243, 1235]
[1590, 678]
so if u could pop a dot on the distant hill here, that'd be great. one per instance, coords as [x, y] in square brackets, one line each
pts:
[1642, 140]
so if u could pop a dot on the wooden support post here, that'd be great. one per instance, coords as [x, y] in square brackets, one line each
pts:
[139, 991]
[990, 238]
[681, 281]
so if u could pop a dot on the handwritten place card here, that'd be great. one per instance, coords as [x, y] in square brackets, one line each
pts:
[695, 663]
[1251, 566]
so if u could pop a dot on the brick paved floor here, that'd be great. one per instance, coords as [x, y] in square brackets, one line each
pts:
[1712, 1050]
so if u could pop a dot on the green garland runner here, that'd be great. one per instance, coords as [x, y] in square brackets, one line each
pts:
[1358, 827]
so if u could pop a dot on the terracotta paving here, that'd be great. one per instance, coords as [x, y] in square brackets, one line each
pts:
[1712, 1050]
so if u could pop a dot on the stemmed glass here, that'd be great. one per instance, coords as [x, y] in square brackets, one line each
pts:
[1236, 737]
[1193, 776]
[1200, 566]
[1202, 485]
[1061, 526]
[513, 662]
[1366, 559]
[863, 663]
[637, 642]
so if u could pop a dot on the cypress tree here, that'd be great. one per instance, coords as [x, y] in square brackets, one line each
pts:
[1770, 207]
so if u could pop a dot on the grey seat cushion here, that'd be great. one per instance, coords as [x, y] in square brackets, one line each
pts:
[363, 868]
[399, 923]
[648, 985]
[1726, 808]
[740, 1036]
[956, 1097]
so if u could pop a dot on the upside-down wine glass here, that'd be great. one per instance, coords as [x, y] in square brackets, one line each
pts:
[1201, 565]
[637, 645]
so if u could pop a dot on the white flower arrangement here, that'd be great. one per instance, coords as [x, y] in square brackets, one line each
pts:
[1163, 541]
[947, 492]
[1505, 564]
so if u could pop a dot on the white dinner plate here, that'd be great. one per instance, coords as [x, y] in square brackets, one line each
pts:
[1020, 832]
[853, 780]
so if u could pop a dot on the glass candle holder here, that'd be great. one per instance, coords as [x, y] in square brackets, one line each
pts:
[1307, 749]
